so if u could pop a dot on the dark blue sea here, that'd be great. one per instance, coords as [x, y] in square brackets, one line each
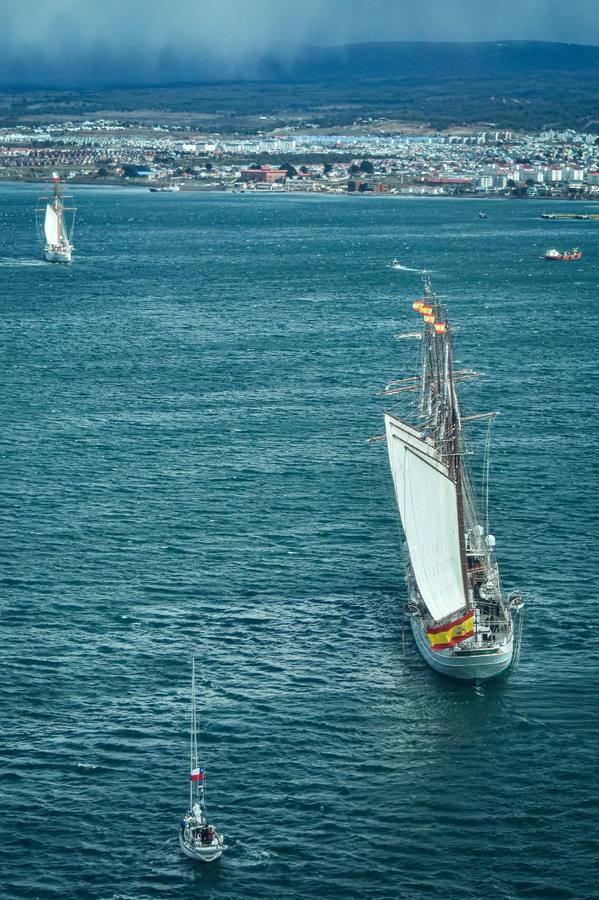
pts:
[184, 420]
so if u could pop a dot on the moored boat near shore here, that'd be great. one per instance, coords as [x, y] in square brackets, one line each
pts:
[166, 189]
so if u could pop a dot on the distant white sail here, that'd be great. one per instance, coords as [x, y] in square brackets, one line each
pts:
[52, 226]
[427, 503]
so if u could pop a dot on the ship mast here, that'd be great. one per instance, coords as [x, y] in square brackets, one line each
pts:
[193, 736]
[57, 203]
[439, 387]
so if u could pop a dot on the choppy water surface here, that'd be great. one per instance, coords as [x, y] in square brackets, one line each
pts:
[184, 420]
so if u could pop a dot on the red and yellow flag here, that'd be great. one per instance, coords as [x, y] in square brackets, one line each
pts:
[429, 319]
[443, 636]
[425, 310]
[417, 305]
[441, 327]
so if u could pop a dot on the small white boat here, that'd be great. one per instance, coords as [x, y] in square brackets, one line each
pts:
[198, 839]
[395, 264]
[166, 189]
[56, 234]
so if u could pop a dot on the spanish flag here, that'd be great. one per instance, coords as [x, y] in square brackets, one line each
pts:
[425, 310]
[417, 305]
[443, 636]
[429, 319]
[441, 327]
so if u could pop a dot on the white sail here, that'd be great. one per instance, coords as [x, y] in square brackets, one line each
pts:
[52, 226]
[427, 503]
[63, 231]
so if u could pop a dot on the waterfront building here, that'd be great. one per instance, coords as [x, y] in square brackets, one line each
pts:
[267, 174]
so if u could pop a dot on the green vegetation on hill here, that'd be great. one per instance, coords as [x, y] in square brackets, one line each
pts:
[512, 85]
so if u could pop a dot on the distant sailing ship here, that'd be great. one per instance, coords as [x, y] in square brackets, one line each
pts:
[198, 839]
[461, 622]
[563, 256]
[56, 234]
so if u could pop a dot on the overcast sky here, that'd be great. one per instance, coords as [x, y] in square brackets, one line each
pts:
[146, 39]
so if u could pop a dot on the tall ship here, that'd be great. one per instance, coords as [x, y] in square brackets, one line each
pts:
[462, 622]
[56, 229]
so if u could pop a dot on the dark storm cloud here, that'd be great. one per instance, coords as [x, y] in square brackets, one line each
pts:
[81, 42]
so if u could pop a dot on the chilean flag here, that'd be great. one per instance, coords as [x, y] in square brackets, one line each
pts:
[197, 775]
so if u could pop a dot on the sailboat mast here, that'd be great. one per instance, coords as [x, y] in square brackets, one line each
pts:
[447, 420]
[58, 205]
[455, 446]
[56, 180]
[193, 733]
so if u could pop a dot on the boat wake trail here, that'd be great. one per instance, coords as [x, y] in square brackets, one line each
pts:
[401, 268]
[252, 857]
[9, 261]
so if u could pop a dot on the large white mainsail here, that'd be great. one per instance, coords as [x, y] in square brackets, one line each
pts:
[427, 502]
[52, 226]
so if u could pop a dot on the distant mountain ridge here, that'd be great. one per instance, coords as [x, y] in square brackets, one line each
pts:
[90, 68]
[511, 84]
[410, 59]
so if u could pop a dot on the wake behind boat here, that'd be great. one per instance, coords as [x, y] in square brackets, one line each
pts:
[198, 839]
[56, 233]
[461, 622]
[395, 264]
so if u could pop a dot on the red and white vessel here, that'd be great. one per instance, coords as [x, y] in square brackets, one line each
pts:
[566, 256]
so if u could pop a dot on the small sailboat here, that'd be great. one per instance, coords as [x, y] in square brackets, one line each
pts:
[460, 617]
[395, 264]
[198, 838]
[56, 233]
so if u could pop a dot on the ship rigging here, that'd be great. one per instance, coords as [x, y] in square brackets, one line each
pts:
[461, 620]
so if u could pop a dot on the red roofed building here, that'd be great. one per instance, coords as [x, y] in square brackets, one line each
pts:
[265, 173]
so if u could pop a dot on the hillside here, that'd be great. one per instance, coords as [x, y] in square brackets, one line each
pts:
[512, 84]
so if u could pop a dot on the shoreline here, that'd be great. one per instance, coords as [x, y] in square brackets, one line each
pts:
[220, 189]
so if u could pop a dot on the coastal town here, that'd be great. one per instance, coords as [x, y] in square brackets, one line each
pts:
[371, 157]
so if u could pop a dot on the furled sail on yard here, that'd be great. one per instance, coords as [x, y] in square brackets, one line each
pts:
[427, 503]
[52, 226]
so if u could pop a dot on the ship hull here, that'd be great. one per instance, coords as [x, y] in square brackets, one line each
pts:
[464, 665]
[58, 256]
[201, 853]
